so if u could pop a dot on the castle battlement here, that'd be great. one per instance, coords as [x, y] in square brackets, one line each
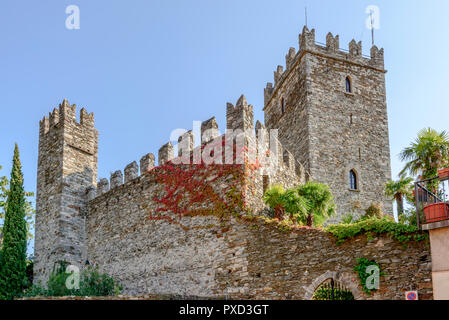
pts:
[330, 49]
[241, 116]
[66, 113]
[238, 117]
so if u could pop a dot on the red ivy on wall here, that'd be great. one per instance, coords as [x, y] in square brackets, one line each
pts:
[202, 189]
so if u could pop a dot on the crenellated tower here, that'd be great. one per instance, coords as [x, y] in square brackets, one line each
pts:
[329, 105]
[67, 167]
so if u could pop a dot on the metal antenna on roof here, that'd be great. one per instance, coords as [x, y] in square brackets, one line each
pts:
[305, 12]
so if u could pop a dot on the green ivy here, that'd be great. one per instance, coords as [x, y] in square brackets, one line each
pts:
[370, 226]
[360, 268]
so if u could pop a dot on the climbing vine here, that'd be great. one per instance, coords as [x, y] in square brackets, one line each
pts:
[203, 189]
[362, 270]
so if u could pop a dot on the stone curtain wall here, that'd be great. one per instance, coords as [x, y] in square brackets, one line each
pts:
[274, 264]
[129, 240]
[232, 258]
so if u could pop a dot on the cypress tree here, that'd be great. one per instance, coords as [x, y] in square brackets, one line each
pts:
[13, 254]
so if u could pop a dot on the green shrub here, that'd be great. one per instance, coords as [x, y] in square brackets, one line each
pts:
[347, 219]
[385, 225]
[374, 210]
[92, 283]
[408, 217]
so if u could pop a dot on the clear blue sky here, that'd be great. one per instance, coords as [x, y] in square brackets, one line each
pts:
[147, 67]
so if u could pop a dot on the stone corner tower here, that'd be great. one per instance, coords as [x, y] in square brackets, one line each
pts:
[67, 166]
[330, 108]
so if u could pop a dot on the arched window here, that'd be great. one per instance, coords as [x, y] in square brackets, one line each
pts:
[353, 183]
[282, 106]
[348, 85]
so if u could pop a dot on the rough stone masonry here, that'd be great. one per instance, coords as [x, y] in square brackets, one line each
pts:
[329, 107]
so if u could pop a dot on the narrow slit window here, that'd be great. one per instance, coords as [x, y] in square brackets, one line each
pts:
[282, 106]
[265, 183]
[353, 180]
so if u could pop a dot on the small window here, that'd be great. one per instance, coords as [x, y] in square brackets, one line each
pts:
[348, 85]
[353, 183]
[350, 119]
[282, 106]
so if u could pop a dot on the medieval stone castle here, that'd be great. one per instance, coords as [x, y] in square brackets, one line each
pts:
[329, 106]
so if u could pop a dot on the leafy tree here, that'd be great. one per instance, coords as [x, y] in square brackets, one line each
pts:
[428, 153]
[320, 200]
[13, 258]
[399, 189]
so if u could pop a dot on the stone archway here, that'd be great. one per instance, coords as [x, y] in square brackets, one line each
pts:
[347, 279]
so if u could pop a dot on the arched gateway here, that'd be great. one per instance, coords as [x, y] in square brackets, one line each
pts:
[342, 280]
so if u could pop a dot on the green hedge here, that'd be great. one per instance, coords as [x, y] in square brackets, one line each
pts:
[375, 225]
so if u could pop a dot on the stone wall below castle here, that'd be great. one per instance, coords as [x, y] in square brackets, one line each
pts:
[214, 256]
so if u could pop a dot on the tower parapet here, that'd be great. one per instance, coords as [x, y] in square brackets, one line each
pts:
[331, 49]
[332, 43]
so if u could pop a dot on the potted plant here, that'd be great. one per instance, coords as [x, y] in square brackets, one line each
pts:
[436, 212]
[443, 173]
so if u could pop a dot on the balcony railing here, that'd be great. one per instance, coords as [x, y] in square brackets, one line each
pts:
[432, 199]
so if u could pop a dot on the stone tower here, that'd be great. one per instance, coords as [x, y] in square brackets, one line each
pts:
[67, 166]
[330, 108]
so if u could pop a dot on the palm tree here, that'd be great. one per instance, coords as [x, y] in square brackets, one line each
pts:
[274, 198]
[320, 200]
[428, 153]
[286, 201]
[295, 205]
[398, 189]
